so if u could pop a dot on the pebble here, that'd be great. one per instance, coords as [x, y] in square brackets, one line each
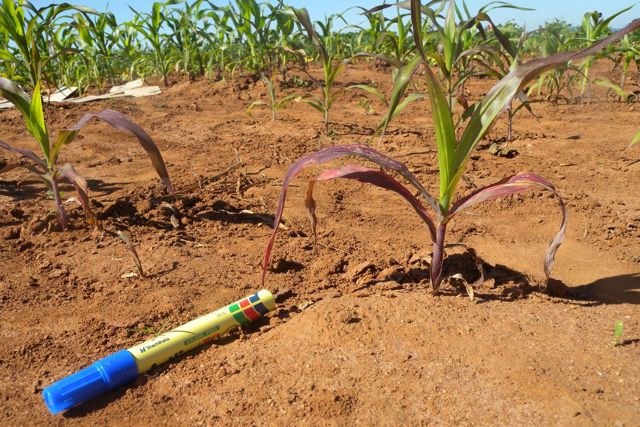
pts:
[56, 273]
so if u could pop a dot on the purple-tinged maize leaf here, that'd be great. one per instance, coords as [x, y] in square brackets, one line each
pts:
[122, 122]
[25, 153]
[515, 184]
[80, 184]
[377, 178]
[326, 155]
[310, 204]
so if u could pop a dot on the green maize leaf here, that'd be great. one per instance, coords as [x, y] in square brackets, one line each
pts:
[403, 76]
[603, 25]
[156, 16]
[614, 87]
[371, 90]
[318, 105]
[403, 5]
[442, 119]
[500, 96]
[36, 125]
[449, 39]
[412, 97]
[635, 139]
[502, 5]
[64, 137]
[288, 99]
[302, 15]
[5, 55]
[254, 104]
[502, 39]
[466, 9]
[14, 94]
[335, 72]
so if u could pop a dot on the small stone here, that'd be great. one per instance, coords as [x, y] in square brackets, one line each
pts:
[12, 234]
[306, 304]
[350, 317]
[358, 270]
[56, 273]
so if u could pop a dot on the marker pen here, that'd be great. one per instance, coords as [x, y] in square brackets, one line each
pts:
[124, 366]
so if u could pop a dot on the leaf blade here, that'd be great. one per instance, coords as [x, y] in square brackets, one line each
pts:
[82, 189]
[515, 184]
[326, 155]
[123, 123]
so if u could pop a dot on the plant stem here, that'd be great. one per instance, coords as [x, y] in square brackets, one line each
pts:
[510, 121]
[326, 121]
[438, 256]
[62, 214]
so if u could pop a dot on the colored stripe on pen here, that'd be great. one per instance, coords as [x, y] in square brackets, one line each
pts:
[248, 309]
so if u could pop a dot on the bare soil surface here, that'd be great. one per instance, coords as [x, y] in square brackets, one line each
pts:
[357, 337]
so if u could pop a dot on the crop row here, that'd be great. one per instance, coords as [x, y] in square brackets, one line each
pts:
[64, 44]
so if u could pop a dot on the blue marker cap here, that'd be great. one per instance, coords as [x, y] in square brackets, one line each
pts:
[102, 376]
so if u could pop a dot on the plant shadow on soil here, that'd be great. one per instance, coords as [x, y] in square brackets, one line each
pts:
[31, 189]
[104, 188]
[101, 402]
[21, 190]
[622, 289]
[505, 284]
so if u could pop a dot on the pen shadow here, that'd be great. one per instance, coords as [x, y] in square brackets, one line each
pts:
[137, 387]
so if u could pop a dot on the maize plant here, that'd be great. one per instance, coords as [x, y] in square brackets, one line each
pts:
[256, 27]
[627, 51]
[594, 27]
[220, 40]
[27, 34]
[552, 39]
[97, 41]
[460, 40]
[187, 36]
[331, 66]
[128, 48]
[47, 167]
[455, 145]
[150, 26]
[274, 103]
[500, 61]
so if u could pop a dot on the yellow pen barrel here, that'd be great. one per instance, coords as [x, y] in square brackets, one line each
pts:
[201, 330]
